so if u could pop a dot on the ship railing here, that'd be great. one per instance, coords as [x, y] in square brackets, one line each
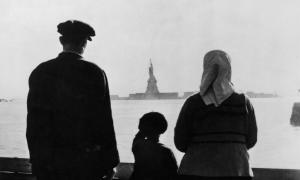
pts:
[20, 169]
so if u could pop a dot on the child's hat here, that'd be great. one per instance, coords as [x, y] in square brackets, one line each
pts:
[153, 123]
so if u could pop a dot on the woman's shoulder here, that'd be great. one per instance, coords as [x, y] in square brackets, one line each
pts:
[193, 102]
[237, 98]
[239, 94]
[195, 99]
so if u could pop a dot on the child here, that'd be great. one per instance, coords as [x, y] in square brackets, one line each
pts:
[153, 160]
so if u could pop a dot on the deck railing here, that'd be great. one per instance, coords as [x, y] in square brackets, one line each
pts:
[20, 169]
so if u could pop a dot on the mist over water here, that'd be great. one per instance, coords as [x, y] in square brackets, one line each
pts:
[277, 147]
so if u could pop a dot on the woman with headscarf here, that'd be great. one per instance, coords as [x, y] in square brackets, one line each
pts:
[216, 126]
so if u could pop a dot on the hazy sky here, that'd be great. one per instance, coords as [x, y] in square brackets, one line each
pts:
[261, 36]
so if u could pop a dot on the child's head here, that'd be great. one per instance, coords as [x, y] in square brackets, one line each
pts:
[153, 124]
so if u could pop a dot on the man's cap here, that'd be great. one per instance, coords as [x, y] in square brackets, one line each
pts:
[153, 123]
[76, 29]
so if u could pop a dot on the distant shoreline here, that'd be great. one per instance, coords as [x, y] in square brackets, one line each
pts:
[175, 96]
[6, 100]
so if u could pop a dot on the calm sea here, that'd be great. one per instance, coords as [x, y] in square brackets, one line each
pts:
[278, 143]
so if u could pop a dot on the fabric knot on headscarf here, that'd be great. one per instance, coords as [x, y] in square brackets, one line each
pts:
[216, 84]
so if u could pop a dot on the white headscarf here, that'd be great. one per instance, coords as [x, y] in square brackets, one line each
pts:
[216, 84]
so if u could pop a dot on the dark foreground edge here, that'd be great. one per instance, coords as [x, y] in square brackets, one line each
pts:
[20, 169]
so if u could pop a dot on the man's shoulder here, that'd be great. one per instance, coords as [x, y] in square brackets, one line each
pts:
[92, 65]
[93, 69]
[52, 64]
[43, 66]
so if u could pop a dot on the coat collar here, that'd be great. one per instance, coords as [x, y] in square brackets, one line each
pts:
[70, 55]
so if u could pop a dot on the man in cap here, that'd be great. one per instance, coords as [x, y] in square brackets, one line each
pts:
[70, 131]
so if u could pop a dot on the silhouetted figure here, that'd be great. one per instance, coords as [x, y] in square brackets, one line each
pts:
[216, 126]
[70, 129]
[153, 161]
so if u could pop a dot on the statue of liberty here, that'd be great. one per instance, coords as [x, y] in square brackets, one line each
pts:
[152, 90]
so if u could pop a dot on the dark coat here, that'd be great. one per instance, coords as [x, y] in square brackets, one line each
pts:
[69, 121]
[215, 139]
[153, 160]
